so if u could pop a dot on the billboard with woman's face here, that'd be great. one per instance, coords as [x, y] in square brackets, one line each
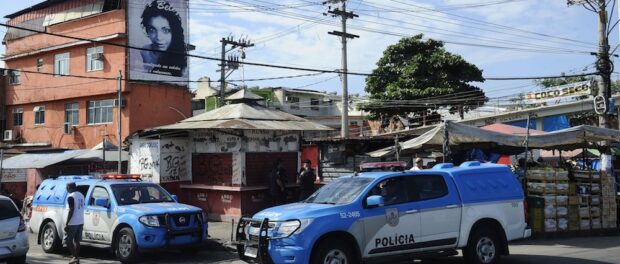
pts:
[159, 28]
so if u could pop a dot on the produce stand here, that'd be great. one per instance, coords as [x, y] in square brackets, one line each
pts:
[562, 201]
[572, 200]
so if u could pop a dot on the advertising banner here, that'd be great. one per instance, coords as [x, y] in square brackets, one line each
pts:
[559, 92]
[160, 29]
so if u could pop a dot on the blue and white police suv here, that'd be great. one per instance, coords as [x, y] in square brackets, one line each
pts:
[387, 216]
[120, 211]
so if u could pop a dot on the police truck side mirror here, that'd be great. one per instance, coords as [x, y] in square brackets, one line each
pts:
[374, 201]
[175, 198]
[102, 202]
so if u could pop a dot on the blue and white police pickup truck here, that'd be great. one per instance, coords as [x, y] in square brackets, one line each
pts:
[120, 211]
[386, 216]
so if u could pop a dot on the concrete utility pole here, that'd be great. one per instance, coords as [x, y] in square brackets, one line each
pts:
[344, 15]
[603, 64]
[120, 115]
[233, 64]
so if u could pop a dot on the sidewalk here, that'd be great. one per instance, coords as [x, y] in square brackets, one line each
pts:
[221, 233]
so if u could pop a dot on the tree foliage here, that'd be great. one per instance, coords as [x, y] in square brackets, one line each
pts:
[417, 76]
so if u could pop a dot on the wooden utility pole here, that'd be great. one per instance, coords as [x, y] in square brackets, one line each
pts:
[344, 15]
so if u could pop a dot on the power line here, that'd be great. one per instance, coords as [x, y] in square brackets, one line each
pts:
[306, 18]
[251, 63]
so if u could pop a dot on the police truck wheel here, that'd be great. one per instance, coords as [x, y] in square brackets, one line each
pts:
[331, 252]
[126, 249]
[50, 242]
[482, 247]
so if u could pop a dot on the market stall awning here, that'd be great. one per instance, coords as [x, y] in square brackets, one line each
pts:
[40, 160]
[459, 135]
[244, 116]
[97, 156]
[573, 138]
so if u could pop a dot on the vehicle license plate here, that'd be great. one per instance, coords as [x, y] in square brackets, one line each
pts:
[250, 252]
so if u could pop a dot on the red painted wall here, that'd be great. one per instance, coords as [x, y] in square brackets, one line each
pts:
[212, 169]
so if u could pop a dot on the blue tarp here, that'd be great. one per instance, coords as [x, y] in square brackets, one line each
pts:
[553, 123]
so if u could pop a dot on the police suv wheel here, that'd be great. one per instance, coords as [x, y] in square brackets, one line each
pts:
[50, 242]
[126, 249]
[332, 252]
[482, 247]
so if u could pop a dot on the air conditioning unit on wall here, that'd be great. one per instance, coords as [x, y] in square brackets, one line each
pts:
[67, 128]
[122, 104]
[9, 135]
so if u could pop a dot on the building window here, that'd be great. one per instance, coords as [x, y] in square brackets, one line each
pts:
[39, 115]
[100, 111]
[94, 59]
[18, 116]
[61, 64]
[314, 104]
[294, 102]
[72, 111]
[40, 64]
[15, 77]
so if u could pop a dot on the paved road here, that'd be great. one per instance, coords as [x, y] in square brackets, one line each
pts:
[593, 250]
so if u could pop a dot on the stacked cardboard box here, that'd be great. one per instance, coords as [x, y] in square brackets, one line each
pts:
[609, 206]
[552, 186]
[588, 184]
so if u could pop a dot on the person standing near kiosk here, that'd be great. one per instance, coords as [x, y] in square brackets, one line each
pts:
[305, 179]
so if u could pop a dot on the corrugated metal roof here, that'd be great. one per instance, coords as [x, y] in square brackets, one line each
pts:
[40, 160]
[248, 124]
[244, 94]
[97, 156]
[243, 116]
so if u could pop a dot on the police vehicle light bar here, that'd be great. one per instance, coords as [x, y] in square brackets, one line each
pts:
[121, 177]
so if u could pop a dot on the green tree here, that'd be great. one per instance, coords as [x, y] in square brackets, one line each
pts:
[417, 76]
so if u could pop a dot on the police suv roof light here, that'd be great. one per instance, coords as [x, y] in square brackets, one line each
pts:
[122, 177]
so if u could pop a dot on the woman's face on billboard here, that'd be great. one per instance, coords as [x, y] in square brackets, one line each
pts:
[159, 33]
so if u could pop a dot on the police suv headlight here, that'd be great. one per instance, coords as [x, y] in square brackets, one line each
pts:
[289, 227]
[149, 220]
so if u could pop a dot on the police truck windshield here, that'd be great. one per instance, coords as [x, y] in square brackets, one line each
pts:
[140, 193]
[339, 191]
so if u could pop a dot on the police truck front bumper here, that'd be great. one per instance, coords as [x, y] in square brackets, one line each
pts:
[169, 235]
[259, 246]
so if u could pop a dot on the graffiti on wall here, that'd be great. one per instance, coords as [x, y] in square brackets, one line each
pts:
[174, 160]
[216, 142]
[251, 141]
[144, 158]
[271, 141]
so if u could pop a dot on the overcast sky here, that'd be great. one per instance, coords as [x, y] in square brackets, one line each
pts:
[502, 37]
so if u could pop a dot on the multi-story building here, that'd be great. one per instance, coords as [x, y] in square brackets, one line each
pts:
[62, 91]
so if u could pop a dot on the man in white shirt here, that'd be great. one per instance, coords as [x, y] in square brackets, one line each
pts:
[75, 221]
[418, 163]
